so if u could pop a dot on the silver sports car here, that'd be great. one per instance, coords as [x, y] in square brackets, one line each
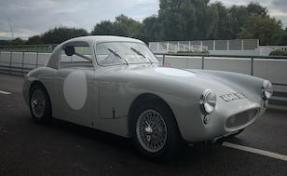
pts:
[115, 84]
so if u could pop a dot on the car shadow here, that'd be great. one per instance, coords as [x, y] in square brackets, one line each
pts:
[187, 155]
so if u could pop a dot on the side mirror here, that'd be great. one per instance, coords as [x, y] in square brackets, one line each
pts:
[69, 50]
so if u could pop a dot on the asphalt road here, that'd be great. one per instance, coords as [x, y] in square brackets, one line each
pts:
[59, 148]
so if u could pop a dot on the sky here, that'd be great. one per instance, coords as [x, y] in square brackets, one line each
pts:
[32, 17]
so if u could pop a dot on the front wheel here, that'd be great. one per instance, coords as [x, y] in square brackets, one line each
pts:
[155, 131]
[39, 104]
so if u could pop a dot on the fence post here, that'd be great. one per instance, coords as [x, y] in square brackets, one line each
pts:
[163, 60]
[202, 62]
[201, 45]
[37, 57]
[227, 45]
[10, 62]
[251, 67]
[22, 63]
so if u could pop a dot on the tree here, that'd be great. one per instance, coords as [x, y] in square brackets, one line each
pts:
[151, 29]
[255, 9]
[36, 39]
[123, 26]
[61, 34]
[280, 38]
[222, 27]
[17, 41]
[183, 19]
[104, 28]
[128, 26]
[261, 27]
[238, 16]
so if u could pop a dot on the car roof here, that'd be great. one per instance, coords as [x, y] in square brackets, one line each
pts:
[53, 61]
[103, 38]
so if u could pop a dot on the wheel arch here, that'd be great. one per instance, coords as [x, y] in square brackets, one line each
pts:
[37, 83]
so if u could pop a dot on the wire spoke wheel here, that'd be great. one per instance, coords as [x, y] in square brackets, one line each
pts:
[38, 103]
[151, 130]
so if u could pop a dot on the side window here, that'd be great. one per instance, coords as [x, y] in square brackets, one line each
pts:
[76, 55]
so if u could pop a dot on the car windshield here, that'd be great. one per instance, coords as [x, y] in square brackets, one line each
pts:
[116, 53]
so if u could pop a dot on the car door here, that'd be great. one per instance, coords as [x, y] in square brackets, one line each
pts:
[76, 92]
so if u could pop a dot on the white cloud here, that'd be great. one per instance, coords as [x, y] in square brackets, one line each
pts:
[37, 16]
[280, 5]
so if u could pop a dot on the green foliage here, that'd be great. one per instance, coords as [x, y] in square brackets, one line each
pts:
[123, 26]
[262, 27]
[36, 39]
[255, 9]
[61, 34]
[56, 35]
[151, 29]
[104, 28]
[17, 41]
[183, 19]
[278, 52]
[199, 19]
[280, 38]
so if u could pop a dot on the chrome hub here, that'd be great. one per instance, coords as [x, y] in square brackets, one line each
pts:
[38, 103]
[151, 130]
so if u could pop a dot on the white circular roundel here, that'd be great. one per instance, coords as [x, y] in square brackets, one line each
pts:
[75, 89]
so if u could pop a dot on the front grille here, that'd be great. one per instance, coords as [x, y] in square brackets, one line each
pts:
[241, 119]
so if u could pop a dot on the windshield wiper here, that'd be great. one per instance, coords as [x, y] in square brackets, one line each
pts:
[139, 53]
[116, 54]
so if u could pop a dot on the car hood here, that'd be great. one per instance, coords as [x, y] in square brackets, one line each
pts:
[170, 79]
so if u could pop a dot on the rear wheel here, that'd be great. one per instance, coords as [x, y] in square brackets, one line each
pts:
[155, 131]
[39, 104]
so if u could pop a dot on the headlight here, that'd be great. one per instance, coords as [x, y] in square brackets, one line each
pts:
[267, 89]
[207, 101]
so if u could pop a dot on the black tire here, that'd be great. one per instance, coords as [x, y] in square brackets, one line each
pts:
[45, 115]
[173, 140]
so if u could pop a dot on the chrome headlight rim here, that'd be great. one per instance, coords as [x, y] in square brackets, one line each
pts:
[208, 101]
[267, 90]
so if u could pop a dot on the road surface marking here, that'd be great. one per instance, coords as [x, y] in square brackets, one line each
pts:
[4, 92]
[256, 151]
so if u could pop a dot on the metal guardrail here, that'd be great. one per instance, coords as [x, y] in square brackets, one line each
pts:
[21, 64]
[22, 69]
[203, 56]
